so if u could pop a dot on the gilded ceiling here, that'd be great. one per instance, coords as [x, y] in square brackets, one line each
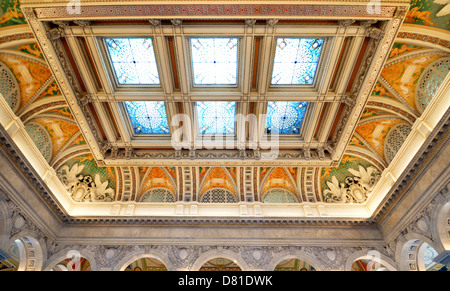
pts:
[33, 94]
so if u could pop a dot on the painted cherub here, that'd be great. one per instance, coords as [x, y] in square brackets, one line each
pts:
[11, 14]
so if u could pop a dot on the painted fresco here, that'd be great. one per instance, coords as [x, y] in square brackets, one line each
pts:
[294, 265]
[380, 90]
[220, 264]
[60, 131]
[401, 48]
[10, 13]
[29, 48]
[375, 133]
[403, 76]
[429, 13]
[157, 178]
[218, 178]
[30, 75]
[278, 178]
[146, 264]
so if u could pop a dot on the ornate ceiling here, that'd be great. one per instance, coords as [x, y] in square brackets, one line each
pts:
[376, 79]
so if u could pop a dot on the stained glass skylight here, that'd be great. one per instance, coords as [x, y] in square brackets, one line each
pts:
[148, 117]
[216, 117]
[285, 117]
[133, 60]
[296, 60]
[214, 61]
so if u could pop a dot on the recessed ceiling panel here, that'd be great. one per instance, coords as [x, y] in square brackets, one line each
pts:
[133, 60]
[285, 117]
[147, 117]
[216, 117]
[296, 61]
[214, 61]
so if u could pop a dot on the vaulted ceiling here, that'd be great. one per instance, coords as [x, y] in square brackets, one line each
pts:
[375, 79]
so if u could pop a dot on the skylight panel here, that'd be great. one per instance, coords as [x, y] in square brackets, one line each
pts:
[216, 117]
[296, 60]
[214, 61]
[148, 117]
[285, 117]
[133, 60]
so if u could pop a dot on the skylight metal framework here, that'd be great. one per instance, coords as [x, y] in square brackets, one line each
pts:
[255, 60]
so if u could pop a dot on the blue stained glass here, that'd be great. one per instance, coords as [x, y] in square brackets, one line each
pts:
[133, 60]
[295, 61]
[148, 117]
[216, 117]
[285, 117]
[214, 61]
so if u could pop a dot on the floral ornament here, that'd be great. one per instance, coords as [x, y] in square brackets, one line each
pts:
[354, 189]
[85, 188]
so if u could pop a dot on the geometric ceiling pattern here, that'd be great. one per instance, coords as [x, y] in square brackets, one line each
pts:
[33, 93]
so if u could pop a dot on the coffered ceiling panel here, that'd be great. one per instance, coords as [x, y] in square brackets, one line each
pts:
[217, 88]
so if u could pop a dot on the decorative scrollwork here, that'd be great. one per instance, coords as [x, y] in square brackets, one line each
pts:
[85, 188]
[353, 189]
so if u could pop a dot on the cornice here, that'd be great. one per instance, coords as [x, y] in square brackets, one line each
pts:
[428, 152]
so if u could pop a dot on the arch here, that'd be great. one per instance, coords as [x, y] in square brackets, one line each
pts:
[425, 256]
[146, 264]
[441, 223]
[30, 254]
[218, 195]
[430, 81]
[220, 253]
[408, 250]
[220, 264]
[373, 258]
[154, 178]
[130, 258]
[5, 222]
[279, 195]
[158, 195]
[294, 265]
[69, 257]
[73, 264]
[279, 177]
[297, 255]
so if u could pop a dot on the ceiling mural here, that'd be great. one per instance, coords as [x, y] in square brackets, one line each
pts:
[42, 107]
[157, 177]
[403, 76]
[11, 14]
[429, 13]
[31, 75]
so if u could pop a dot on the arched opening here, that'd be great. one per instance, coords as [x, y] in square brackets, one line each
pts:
[30, 254]
[371, 260]
[368, 265]
[425, 256]
[294, 265]
[146, 264]
[220, 264]
[73, 262]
